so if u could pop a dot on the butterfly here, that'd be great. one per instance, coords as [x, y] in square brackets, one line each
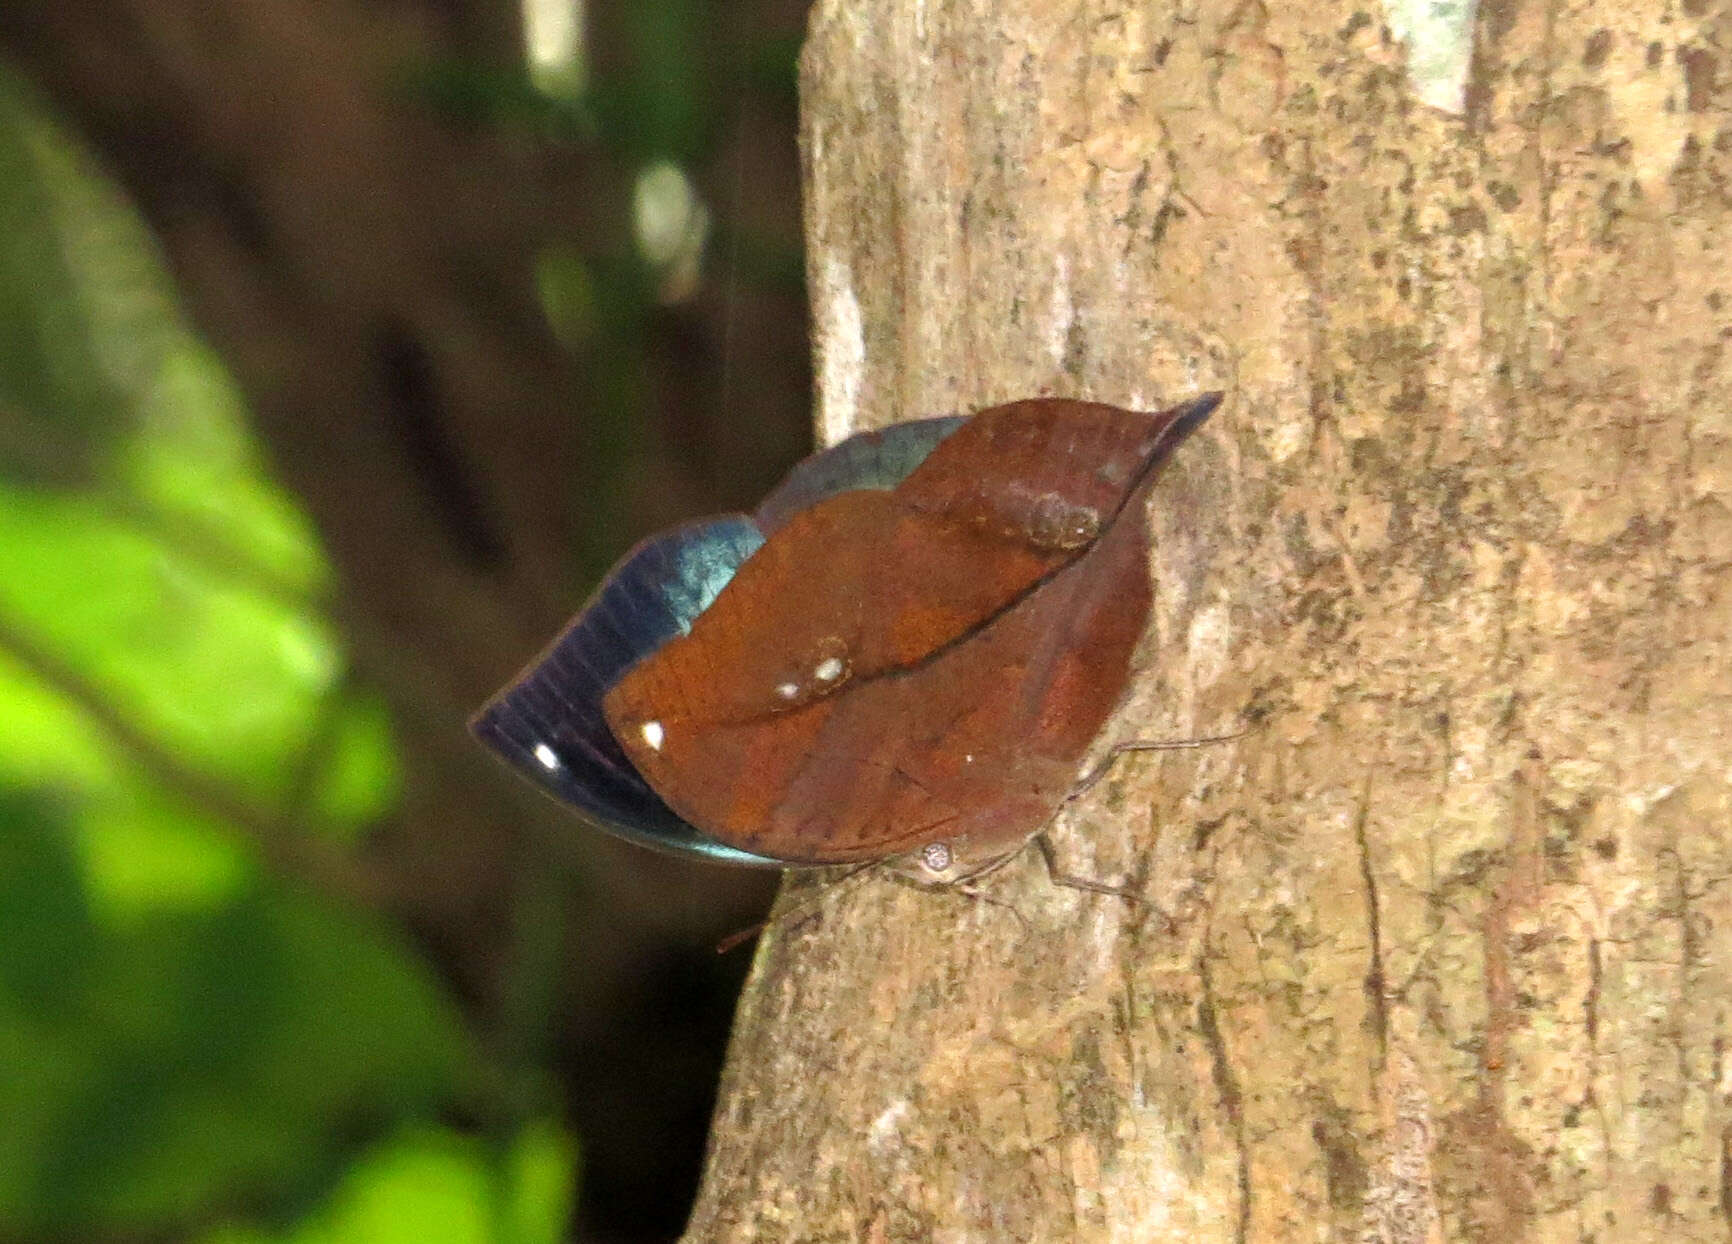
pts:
[903, 654]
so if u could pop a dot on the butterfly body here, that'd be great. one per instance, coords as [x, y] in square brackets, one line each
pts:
[915, 640]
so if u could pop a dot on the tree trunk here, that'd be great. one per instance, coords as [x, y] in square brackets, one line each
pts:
[1437, 951]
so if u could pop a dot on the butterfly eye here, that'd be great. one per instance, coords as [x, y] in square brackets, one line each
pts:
[937, 857]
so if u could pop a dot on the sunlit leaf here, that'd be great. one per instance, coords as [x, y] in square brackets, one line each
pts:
[361, 780]
[428, 1186]
[179, 1032]
[221, 673]
[158, 1068]
[197, 483]
[85, 313]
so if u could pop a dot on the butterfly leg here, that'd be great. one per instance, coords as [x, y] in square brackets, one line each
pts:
[1072, 881]
[967, 889]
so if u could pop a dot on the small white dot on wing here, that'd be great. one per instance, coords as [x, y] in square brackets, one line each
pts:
[653, 734]
[547, 756]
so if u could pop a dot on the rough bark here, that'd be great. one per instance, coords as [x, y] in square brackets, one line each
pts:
[1439, 951]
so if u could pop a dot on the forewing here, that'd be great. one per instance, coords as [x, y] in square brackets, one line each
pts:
[852, 589]
[980, 744]
[548, 723]
[1048, 471]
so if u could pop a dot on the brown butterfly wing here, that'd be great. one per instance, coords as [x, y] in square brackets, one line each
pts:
[982, 742]
[1047, 472]
[933, 662]
[853, 589]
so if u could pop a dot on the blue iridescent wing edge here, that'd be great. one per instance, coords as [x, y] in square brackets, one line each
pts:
[879, 460]
[548, 723]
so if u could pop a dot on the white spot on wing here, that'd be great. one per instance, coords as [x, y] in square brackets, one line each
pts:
[829, 669]
[653, 734]
[547, 756]
[787, 690]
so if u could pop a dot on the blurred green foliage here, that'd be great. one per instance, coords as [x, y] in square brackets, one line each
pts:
[189, 1042]
[433, 1187]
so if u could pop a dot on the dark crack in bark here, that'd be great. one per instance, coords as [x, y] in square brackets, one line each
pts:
[1376, 982]
[1227, 1085]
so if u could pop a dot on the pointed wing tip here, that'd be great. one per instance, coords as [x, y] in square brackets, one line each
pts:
[1188, 415]
[1177, 423]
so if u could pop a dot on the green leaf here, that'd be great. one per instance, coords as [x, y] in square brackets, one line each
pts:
[430, 1186]
[160, 1068]
[85, 312]
[179, 1033]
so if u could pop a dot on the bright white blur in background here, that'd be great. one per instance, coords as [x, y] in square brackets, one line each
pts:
[669, 219]
[672, 225]
[553, 44]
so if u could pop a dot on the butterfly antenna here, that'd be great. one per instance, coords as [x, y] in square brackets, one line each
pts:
[1089, 780]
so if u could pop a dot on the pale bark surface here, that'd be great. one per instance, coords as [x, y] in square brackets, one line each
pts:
[1445, 944]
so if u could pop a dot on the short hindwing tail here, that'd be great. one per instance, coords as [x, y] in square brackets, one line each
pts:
[1184, 420]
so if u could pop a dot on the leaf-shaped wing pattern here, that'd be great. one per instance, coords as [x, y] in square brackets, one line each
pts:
[926, 663]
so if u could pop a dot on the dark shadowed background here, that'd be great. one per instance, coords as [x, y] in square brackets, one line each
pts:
[343, 346]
